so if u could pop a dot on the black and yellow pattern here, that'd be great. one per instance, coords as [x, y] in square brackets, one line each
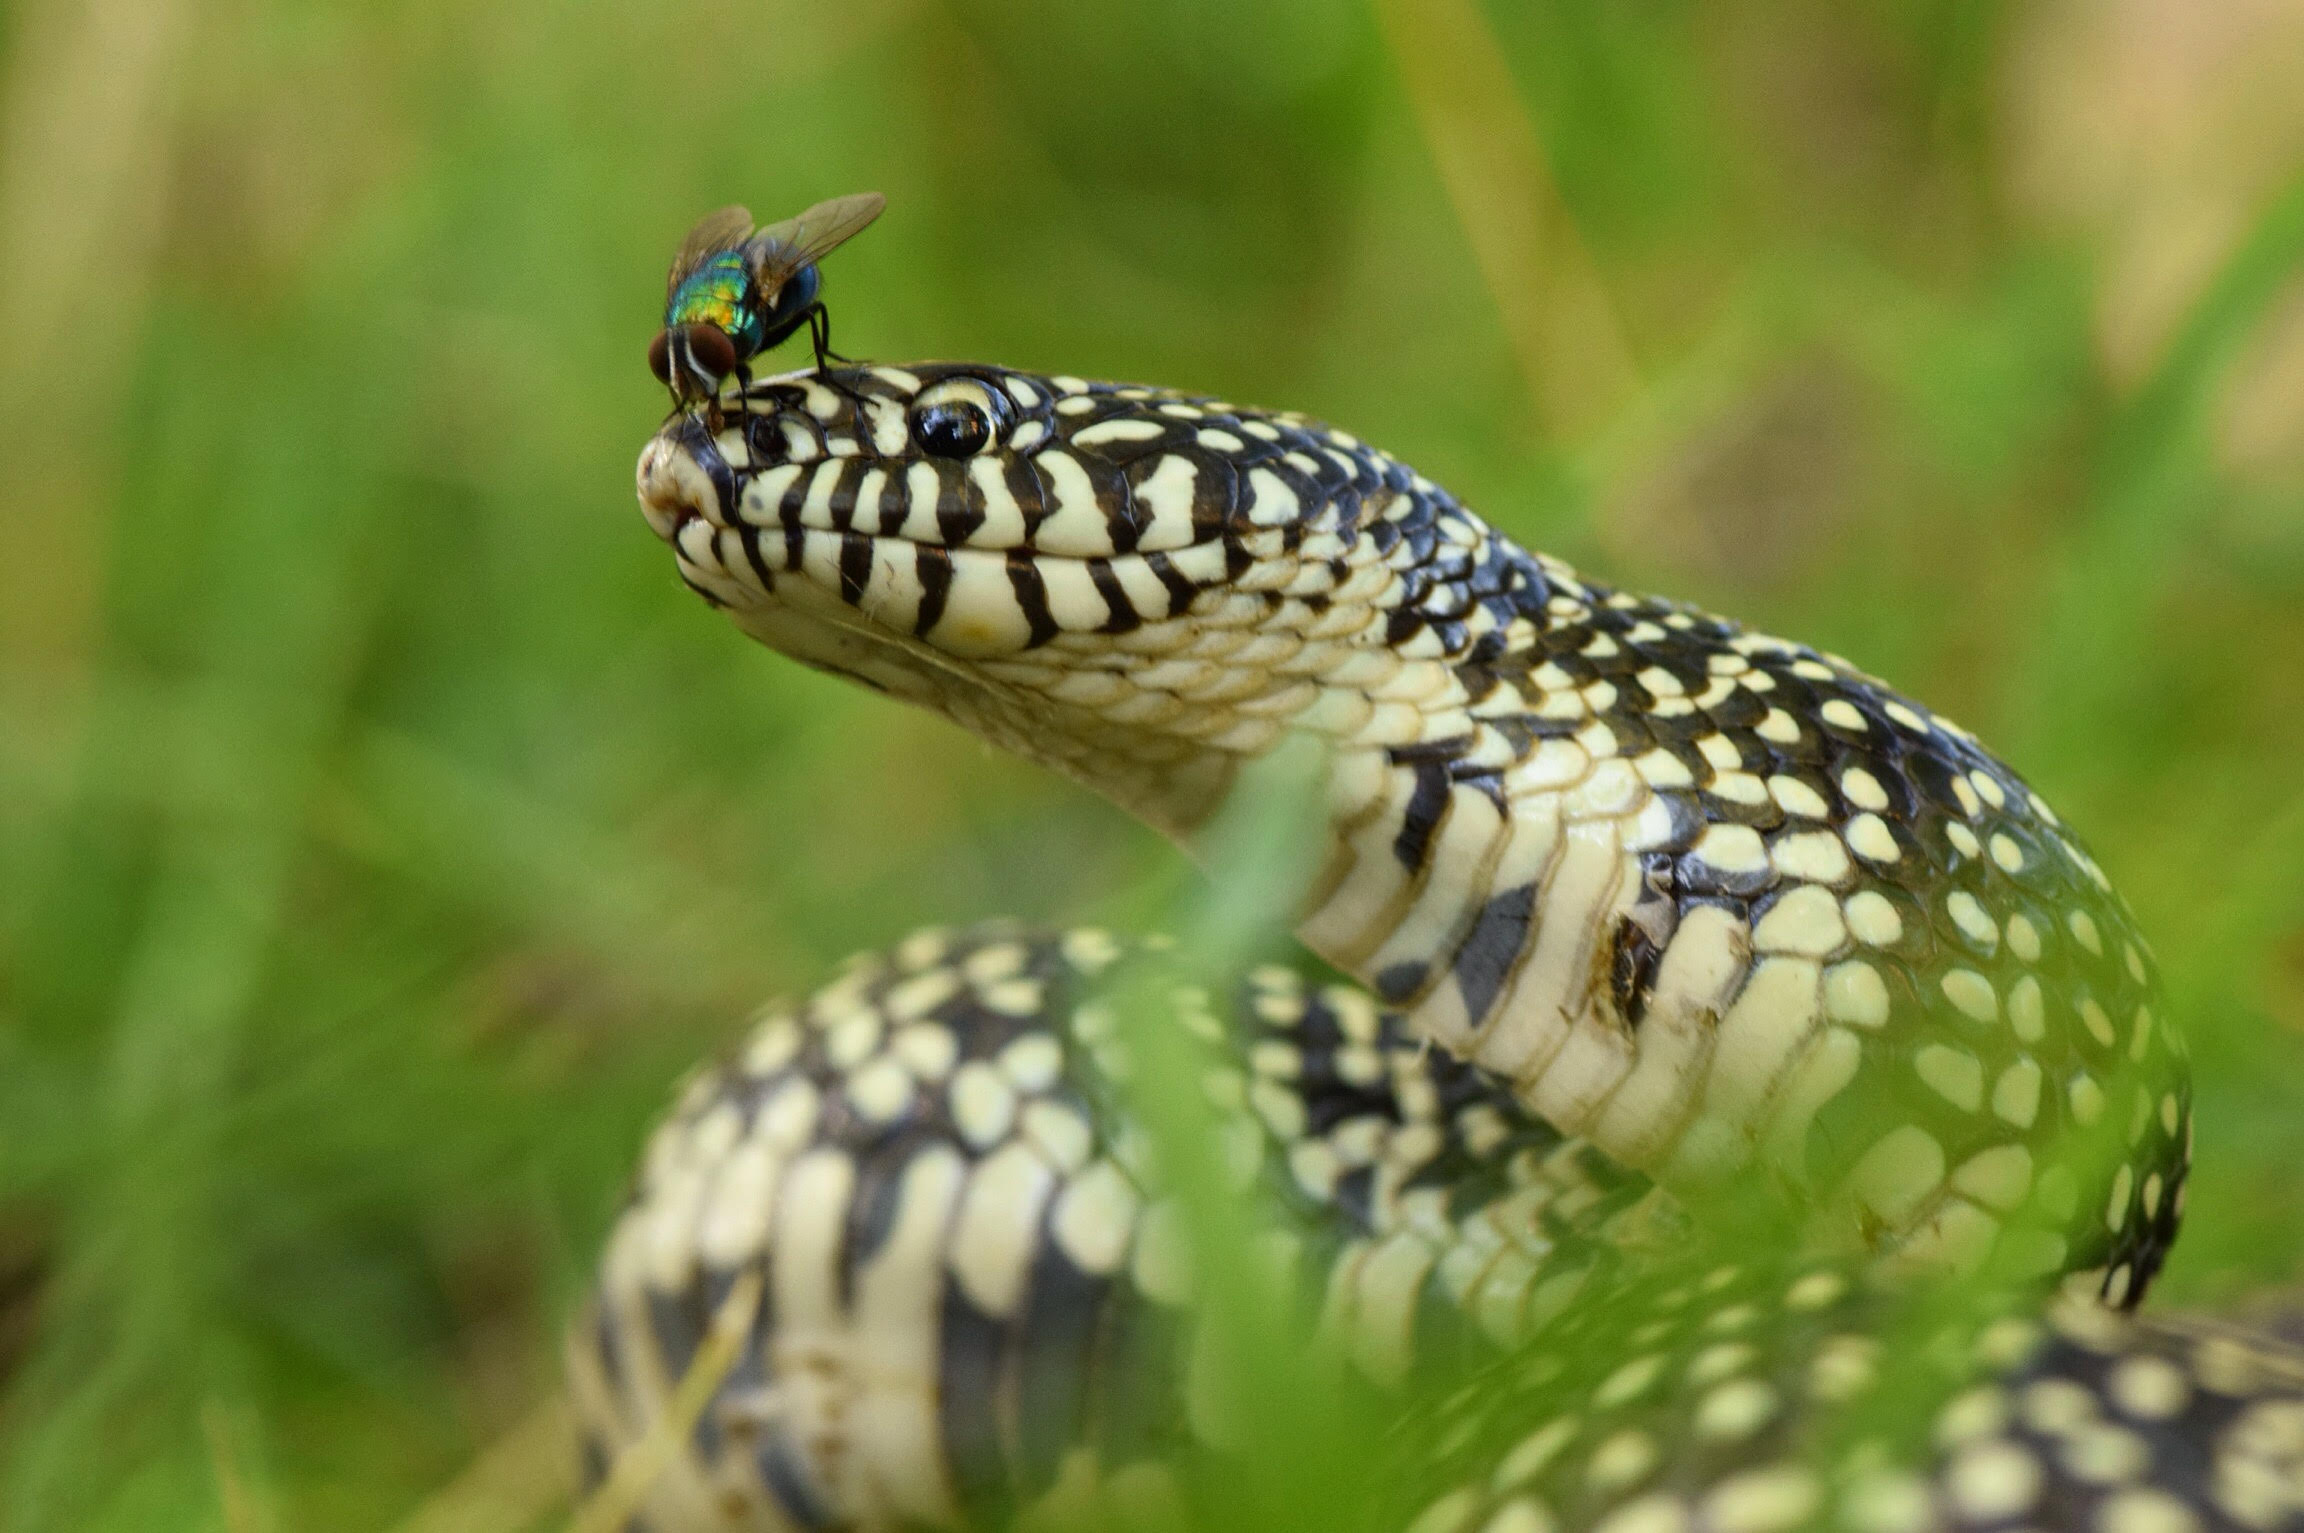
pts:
[972, 1278]
[1707, 927]
[978, 1304]
[1701, 895]
[1773, 1394]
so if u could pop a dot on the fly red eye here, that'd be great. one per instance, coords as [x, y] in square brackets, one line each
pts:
[660, 356]
[711, 350]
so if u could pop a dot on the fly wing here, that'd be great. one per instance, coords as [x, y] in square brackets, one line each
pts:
[783, 248]
[714, 233]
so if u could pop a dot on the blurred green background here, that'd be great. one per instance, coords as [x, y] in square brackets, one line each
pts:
[382, 826]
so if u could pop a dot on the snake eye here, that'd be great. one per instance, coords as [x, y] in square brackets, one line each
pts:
[952, 430]
[660, 356]
[956, 419]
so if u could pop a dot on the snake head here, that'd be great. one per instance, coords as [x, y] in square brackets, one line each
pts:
[1134, 585]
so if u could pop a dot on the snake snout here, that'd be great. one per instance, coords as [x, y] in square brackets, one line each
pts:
[683, 477]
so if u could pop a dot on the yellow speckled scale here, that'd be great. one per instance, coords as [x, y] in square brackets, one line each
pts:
[974, 1288]
[1771, 1395]
[977, 1300]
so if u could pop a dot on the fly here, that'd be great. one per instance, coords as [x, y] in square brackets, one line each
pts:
[736, 291]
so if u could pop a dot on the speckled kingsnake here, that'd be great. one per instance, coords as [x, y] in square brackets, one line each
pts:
[1690, 912]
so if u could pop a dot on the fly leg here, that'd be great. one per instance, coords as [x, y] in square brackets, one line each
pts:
[743, 375]
[820, 335]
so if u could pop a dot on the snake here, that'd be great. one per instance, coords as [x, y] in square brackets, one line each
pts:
[1713, 1088]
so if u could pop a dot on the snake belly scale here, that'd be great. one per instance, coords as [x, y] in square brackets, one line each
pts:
[1684, 908]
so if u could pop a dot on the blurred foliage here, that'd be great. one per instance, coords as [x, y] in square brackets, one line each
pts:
[382, 827]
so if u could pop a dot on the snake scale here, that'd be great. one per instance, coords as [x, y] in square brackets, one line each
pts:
[1721, 1016]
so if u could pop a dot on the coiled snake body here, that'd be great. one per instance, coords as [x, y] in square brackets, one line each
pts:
[1706, 926]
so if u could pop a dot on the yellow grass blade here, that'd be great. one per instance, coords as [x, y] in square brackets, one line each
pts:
[1557, 316]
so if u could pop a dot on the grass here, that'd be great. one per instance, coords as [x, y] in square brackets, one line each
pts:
[382, 828]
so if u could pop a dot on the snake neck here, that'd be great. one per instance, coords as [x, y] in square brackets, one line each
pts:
[1702, 895]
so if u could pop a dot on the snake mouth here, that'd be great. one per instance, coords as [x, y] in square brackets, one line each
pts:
[677, 481]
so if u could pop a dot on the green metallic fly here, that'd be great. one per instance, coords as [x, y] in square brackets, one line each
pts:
[734, 292]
